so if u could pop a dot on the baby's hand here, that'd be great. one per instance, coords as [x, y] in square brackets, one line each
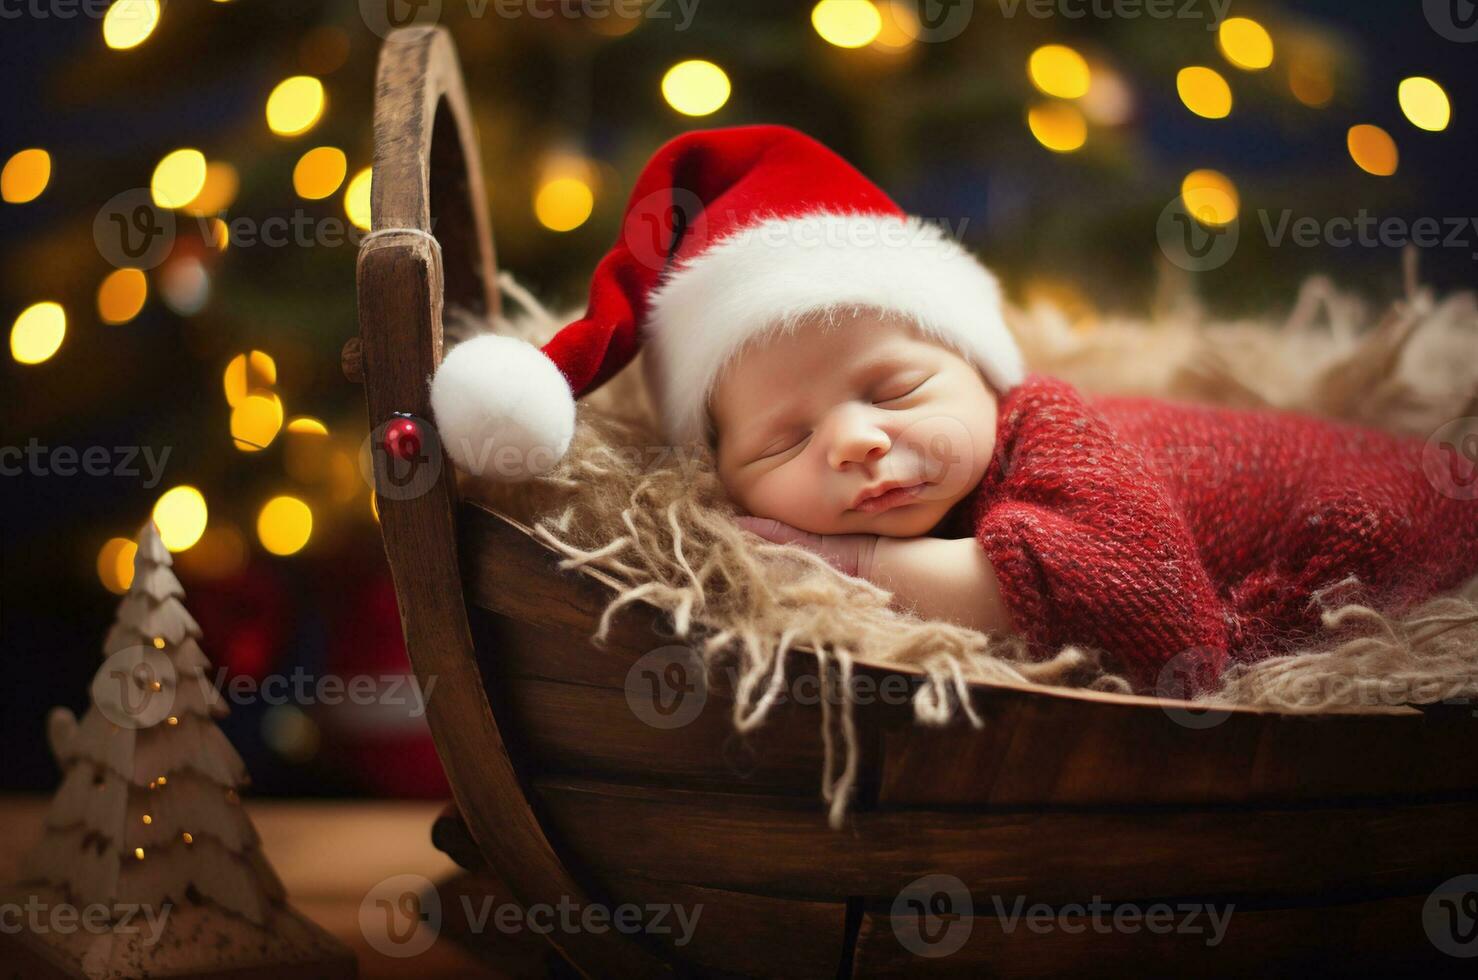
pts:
[851, 554]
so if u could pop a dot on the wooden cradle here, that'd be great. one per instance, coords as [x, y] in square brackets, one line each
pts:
[1327, 832]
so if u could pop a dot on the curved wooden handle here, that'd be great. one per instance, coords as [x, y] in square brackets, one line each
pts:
[427, 181]
[428, 172]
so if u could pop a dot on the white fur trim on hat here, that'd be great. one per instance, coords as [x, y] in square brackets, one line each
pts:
[769, 275]
[503, 410]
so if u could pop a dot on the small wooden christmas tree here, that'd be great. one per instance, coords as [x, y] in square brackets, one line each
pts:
[148, 816]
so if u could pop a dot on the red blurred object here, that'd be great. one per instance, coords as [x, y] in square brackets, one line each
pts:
[245, 618]
[403, 439]
[384, 742]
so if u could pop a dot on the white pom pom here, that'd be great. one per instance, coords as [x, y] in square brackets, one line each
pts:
[503, 410]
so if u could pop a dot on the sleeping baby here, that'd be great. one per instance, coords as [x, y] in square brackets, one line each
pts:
[849, 368]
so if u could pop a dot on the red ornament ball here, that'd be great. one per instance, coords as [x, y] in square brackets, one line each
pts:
[403, 439]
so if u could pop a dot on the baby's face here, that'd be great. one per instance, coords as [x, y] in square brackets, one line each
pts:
[811, 420]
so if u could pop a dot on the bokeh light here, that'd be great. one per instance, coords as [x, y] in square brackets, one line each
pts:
[295, 105]
[284, 525]
[115, 564]
[357, 199]
[248, 373]
[695, 87]
[181, 515]
[38, 332]
[1373, 150]
[25, 176]
[1057, 69]
[900, 26]
[1210, 197]
[179, 178]
[218, 192]
[255, 421]
[320, 172]
[564, 203]
[1311, 82]
[122, 295]
[128, 23]
[1204, 92]
[1058, 126]
[847, 23]
[1424, 104]
[1245, 43]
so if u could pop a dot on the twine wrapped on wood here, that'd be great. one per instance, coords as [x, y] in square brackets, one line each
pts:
[656, 517]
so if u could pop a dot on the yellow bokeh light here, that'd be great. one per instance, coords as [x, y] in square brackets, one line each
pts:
[1373, 150]
[1311, 82]
[248, 373]
[307, 425]
[357, 199]
[900, 26]
[1058, 126]
[695, 87]
[218, 191]
[128, 23]
[121, 295]
[115, 564]
[295, 105]
[38, 332]
[564, 203]
[1245, 43]
[1210, 197]
[1057, 69]
[1204, 92]
[25, 176]
[181, 515]
[1425, 104]
[285, 525]
[255, 421]
[179, 178]
[847, 23]
[320, 172]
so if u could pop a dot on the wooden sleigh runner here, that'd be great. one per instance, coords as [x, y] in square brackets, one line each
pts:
[1327, 834]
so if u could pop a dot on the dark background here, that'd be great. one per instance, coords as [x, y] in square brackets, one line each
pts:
[941, 126]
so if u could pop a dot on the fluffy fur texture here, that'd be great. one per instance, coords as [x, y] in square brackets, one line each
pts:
[503, 410]
[766, 278]
[662, 524]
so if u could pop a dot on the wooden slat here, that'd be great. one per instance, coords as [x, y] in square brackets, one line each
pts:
[574, 729]
[733, 933]
[1039, 746]
[784, 848]
[1383, 937]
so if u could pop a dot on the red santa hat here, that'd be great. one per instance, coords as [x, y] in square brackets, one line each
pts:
[729, 235]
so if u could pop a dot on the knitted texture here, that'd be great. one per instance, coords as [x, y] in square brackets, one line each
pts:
[1176, 537]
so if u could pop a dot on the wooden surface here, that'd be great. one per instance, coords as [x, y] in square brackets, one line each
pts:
[330, 855]
[427, 178]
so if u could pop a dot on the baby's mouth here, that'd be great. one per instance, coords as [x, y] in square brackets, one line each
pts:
[894, 497]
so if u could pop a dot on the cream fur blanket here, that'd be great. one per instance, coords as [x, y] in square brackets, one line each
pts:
[661, 524]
